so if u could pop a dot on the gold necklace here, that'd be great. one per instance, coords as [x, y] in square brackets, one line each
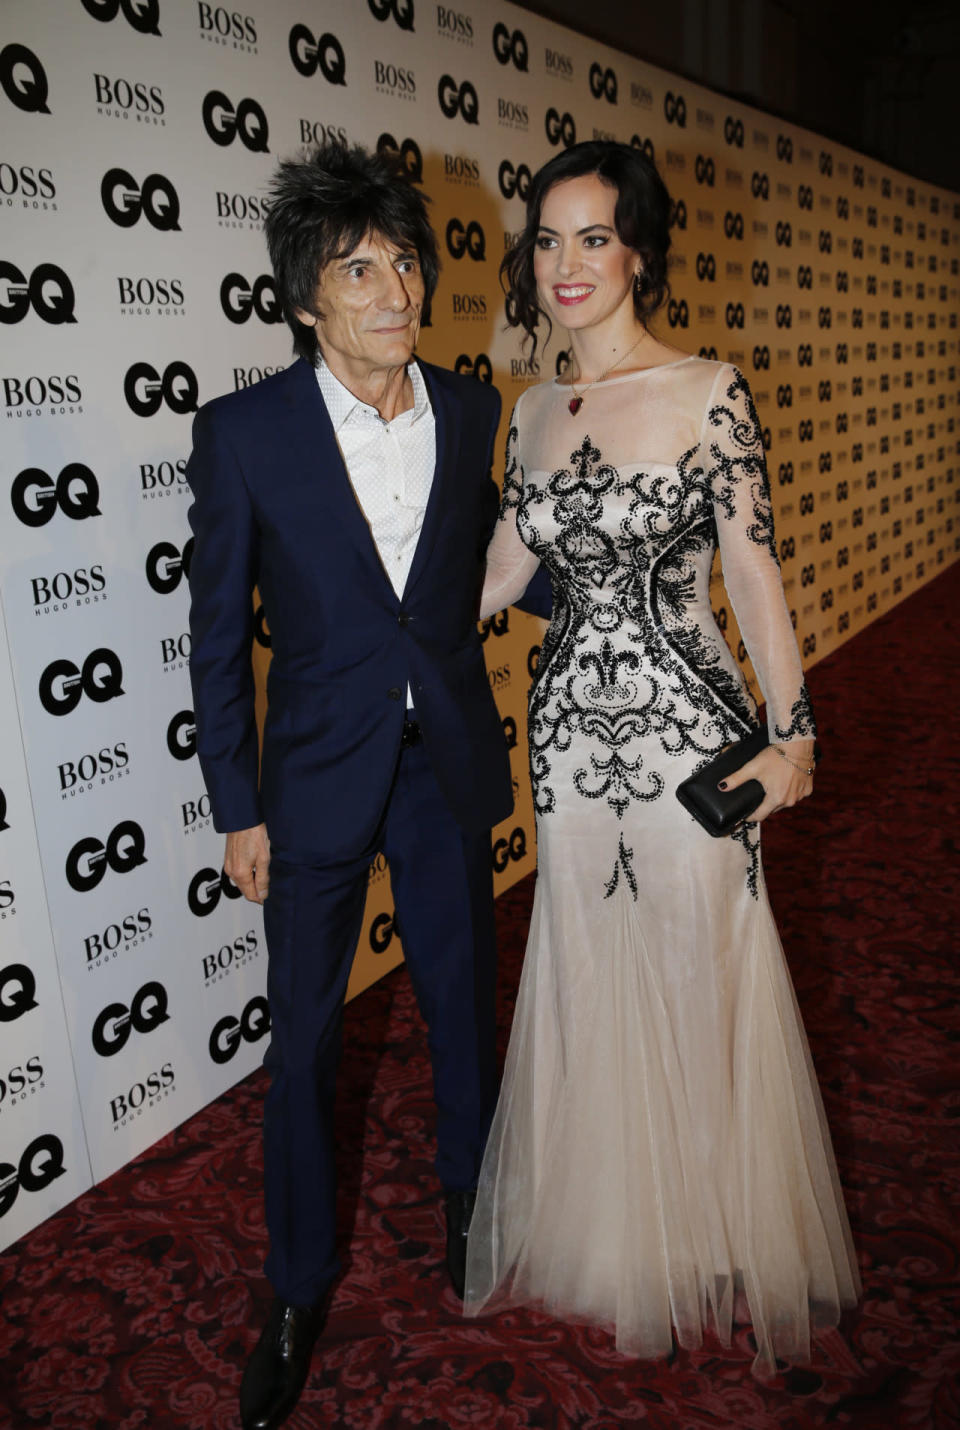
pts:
[576, 401]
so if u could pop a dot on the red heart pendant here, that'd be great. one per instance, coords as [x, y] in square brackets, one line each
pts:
[575, 404]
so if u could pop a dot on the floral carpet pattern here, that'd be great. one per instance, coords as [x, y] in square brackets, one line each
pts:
[137, 1305]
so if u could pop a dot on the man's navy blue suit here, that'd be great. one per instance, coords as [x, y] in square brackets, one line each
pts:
[274, 509]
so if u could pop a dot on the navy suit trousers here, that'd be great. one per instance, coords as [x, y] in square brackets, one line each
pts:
[442, 886]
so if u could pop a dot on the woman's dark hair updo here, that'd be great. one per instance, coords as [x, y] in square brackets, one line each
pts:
[641, 218]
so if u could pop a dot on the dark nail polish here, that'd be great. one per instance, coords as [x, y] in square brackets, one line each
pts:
[722, 784]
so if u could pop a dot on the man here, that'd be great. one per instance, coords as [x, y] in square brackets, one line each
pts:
[354, 490]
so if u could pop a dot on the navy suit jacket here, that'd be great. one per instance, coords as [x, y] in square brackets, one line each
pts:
[273, 508]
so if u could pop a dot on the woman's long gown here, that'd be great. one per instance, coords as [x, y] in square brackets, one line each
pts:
[659, 1145]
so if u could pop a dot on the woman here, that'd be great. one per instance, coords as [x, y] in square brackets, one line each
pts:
[659, 1155]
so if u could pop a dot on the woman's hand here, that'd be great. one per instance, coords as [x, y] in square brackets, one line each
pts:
[783, 783]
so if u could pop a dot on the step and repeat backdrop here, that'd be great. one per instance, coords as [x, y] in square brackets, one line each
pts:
[138, 137]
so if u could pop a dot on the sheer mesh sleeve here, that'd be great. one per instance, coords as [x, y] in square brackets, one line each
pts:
[732, 450]
[510, 564]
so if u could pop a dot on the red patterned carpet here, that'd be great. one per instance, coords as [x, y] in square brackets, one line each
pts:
[136, 1306]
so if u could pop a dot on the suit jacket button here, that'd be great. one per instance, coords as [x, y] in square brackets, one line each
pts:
[403, 618]
[394, 693]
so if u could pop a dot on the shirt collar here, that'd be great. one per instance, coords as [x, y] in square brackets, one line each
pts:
[341, 404]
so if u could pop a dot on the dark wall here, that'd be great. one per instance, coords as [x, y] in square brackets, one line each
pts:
[878, 75]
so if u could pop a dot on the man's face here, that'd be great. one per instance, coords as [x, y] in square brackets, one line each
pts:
[370, 305]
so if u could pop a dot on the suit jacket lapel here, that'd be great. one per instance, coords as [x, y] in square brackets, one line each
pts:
[446, 417]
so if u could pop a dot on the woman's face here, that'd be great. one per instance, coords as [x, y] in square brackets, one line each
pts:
[583, 273]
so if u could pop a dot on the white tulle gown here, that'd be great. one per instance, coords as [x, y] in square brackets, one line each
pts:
[659, 1159]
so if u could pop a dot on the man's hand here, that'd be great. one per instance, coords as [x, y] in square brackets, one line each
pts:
[247, 862]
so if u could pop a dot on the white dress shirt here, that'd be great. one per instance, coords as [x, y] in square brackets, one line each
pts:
[390, 466]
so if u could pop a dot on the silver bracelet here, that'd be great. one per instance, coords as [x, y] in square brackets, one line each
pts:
[804, 769]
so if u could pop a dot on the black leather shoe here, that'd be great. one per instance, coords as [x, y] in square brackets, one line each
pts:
[277, 1371]
[459, 1209]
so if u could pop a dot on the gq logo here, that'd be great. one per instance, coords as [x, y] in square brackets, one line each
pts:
[514, 181]
[227, 1034]
[675, 109]
[560, 127]
[705, 171]
[146, 391]
[309, 55]
[166, 565]
[462, 240]
[23, 79]
[141, 15]
[411, 159]
[182, 735]
[478, 367]
[48, 291]
[706, 267]
[382, 930]
[505, 851]
[124, 200]
[603, 83]
[401, 10]
[147, 1011]
[733, 224]
[734, 315]
[678, 214]
[62, 685]
[18, 992]
[36, 497]
[733, 131]
[223, 123]
[207, 887]
[3, 812]
[760, 273]
[678, 314]
[41, 1164]
[510, 47]
[239, 299]
[457, 99]
[89, 860]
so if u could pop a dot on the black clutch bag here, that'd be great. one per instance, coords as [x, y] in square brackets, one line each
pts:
[720, 811]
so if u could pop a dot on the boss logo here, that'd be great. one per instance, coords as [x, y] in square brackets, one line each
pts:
[23, 79]
[18, 992]
[675, 109]
[734, 315]
[783, 234]
[146, 391]
[805, 196]
[382, 930]
[29, 183]
[62, 685]
[678, 313]
[454, 25]
[142, 293]
[229, 956]
[391, 79]
[227, 24]
[465, 171]
[48, 291]
[239, 298]
[195, 813]
[39, 1166]
[603, 84]
[785, 395]
[223, 122]
[514, 182]
[49, 590]
[21, 1080]
[705, 171]
[457, 99]
[478, 367]
[497, 625]
[760, 273]
[128, 932]
[505, 851]
[207, 887]
[182, 735]
[468, 305]
[560, 128]
[784, 149]
[236, 209]
[89, 859]
[733, 131]
[512, 48]
[462, 240]
[645, 146]
[159, 479]
[120, 95]
[109, 763]
[227, 1034]
[760, 185]
[166, 564]
[761, 358]
[124, 200]
[141, 15]
[313, 131]
[8, 899]
[400, 11]
[733, 224]
[678, 214]
[36, 497]
[558, 64]
[142, 1094]
[706, 267]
